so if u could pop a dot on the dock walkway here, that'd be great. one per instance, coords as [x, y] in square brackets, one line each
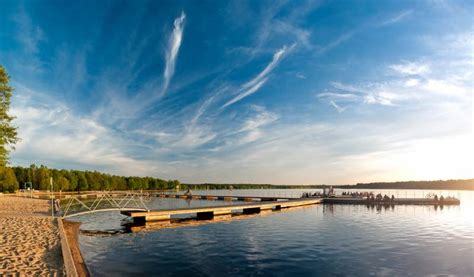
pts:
[227, 197]
[397, 201]
[210, 212]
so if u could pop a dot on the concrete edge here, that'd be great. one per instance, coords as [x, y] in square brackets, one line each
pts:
[68, 259]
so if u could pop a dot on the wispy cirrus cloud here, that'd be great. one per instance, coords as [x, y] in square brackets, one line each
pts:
[256, 83]
[172, 51]
[51, 133]
[436, 79]
[29, 37]
[411, 68]
[338, 108]
[397, 17]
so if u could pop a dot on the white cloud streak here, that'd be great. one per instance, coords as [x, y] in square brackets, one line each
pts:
[172, 52]
[338, 108]
[256, 83]
[398, 17]
[411, 68]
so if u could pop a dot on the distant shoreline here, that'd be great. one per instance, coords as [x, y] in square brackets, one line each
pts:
[464, 184]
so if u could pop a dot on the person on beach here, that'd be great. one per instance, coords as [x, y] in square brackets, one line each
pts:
[56, 206]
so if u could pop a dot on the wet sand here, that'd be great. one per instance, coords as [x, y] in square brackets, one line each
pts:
[30, 244]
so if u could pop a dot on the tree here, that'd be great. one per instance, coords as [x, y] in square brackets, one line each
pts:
[72, 177]
[42, 175]
[8, 181]
[8, 132]
[62, 184]
[81, 181]
[21, 175]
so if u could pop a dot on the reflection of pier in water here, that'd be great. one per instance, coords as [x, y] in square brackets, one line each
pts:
[192, 221]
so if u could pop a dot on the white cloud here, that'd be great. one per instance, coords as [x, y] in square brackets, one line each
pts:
[412, 82]
[300, 76]
[397, 17]
[173, 49]
[244, 92]
[411, 68]
[341, 96]
[29, 35]
[444, 87]
[262, 118]
[53, 135]
[339, 40]
[256, 83]
[338, 108]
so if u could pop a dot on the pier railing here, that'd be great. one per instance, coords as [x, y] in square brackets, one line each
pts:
[76, 205]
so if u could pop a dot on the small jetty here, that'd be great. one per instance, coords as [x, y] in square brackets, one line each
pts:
[227, 197]
[210, 212]
[396, 201]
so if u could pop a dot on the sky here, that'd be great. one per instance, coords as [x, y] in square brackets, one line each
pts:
[282, 92]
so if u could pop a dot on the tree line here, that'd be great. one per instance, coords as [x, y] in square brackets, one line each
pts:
[462, 184]
[17, 177]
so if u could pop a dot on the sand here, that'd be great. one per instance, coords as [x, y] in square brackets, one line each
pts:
[29, 239]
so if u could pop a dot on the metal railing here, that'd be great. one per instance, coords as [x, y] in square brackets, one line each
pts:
[104, 201]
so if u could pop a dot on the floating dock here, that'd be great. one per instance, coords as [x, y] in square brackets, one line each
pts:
[227, 197]
[396, 201]
[210, 212]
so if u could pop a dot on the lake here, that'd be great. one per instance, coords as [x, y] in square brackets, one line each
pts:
[319, 240]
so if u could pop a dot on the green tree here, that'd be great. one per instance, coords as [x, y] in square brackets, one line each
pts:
[42, 175]
[81, 181]
[8, 181]
[62, 183]
[8, 132]
[21, 175]
[72, 177]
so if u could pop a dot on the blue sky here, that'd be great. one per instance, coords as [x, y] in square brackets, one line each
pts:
[284, 92]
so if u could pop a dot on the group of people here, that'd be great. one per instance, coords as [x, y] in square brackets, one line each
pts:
[356, 194]
[309, 194]
[379, 197]
[441, 198]
[370, 196]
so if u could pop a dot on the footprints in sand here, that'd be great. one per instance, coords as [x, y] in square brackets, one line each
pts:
[29, 243]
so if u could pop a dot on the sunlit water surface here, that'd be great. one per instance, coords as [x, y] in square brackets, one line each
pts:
[320, 240]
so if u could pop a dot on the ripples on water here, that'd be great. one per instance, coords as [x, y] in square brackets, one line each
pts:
[312, 241]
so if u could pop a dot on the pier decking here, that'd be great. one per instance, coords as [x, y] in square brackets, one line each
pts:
[210, 212]
[397, 201]
[227, 197]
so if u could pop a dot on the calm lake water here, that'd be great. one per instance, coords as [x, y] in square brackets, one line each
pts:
[320, 240]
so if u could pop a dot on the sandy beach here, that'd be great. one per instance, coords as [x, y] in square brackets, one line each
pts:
[30, 244]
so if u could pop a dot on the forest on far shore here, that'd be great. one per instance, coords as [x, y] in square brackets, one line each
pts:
[14, 178]
[465, 184]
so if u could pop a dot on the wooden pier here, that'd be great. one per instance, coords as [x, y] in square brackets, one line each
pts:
[210, 212]
[397, 201]
[227, 197]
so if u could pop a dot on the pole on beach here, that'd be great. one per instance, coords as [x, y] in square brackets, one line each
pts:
[52, 196]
